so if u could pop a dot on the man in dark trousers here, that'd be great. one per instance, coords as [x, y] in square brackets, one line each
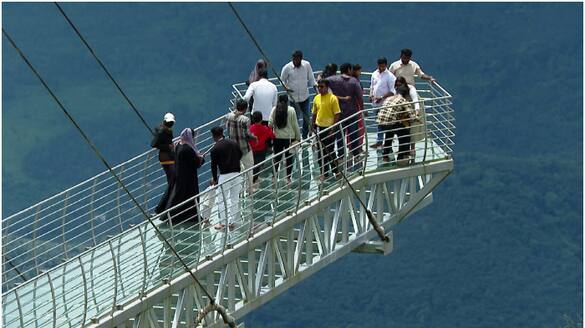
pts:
[226, 155]
[349, 92]
[163, 141]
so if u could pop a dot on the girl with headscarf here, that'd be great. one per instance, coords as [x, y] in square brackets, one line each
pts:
[188, 160]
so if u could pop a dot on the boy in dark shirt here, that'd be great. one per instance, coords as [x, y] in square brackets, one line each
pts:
[225, 156]
[259, 148]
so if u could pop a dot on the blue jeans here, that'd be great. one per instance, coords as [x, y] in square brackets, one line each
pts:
[302, 110]
[380, 137]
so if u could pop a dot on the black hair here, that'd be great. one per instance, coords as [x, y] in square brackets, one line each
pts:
[168, 124]
[298, 54]
[217, 131]
[356, 67]
[382, 60]
[329, 70]
[402, 79]
[403, 90]
[262, 73]
[281, 112]
[407, 52]
[345, 68]
[323, 81]
[241, 105]
[256, 117]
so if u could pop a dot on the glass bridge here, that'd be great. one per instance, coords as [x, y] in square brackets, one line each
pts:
[86, 257]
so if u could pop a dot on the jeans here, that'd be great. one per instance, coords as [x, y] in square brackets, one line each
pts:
[380, 131]
[302, 111]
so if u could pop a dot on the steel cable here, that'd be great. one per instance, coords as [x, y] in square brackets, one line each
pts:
[104, 68]
[103, 160]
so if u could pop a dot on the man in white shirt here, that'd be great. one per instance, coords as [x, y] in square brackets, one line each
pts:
[264, 93]
[381, 87]
[297, 77]
[408, 68]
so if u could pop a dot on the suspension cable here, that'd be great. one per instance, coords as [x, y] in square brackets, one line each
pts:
[103, 67]
[227, 319]
[379, 229]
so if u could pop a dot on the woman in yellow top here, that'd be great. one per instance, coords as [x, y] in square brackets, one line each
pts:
[326, 113]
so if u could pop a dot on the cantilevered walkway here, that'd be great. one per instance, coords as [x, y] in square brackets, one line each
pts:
[87, 258]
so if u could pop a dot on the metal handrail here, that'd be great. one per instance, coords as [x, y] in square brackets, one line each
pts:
[208, 244]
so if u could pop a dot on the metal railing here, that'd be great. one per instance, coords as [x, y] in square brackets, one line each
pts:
[119, 257]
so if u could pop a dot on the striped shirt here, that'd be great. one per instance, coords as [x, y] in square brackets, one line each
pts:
[238, 128]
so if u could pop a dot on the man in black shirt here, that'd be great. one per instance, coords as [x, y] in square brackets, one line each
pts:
[226, 155]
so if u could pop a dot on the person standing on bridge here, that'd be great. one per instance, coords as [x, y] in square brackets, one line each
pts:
[326, 113]
[408, 68]
[297, 77]
[259, 147]
[349, 93]
[238, 126]
[163, 141]
[395, 118]
[225, 157]
[187, 182]
[283, 120]
[381, 87]
[264, 93]
[254, 76]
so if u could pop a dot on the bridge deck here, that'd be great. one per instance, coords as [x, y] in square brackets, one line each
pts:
[93, 282]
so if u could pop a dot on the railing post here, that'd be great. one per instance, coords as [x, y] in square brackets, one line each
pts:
[84, 291]
[91, 212]
[226, 227]
[63, 217]
[34, 240]
[53, 299]
[172, 242]
[145, 271]
[115, 267]
[145, 184]
[118, 195]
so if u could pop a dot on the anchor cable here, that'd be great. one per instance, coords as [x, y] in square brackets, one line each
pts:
[103, 67]
[122, 185]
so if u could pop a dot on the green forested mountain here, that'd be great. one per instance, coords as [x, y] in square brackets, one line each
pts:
[501, 246]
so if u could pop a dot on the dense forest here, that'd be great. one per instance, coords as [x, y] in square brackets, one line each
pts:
[501, 246]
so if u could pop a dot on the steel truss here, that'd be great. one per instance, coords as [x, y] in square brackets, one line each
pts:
[276, 258]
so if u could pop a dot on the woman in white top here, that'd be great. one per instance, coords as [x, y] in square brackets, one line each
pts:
[283, 121]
